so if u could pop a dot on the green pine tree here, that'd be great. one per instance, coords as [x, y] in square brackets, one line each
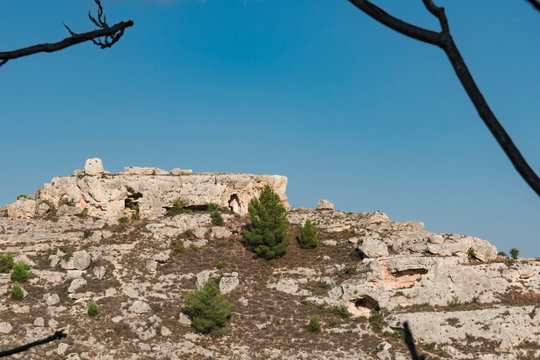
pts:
[308, 235]
[268, 231]
[208, 309]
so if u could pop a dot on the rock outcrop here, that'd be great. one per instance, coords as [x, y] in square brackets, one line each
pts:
[146, 191]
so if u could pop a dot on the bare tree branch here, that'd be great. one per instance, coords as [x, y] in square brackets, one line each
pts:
[106, 36]
[535, 3]
[445, 41]
[396, 24]
[409, 340]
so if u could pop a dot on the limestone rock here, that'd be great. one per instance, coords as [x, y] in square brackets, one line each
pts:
[68, 211]
[93, 167]
[51, 299]
[132, 170]
[325, 205]
[80, 260]
[22, 209]
[139, 307]
[203, 276]
[220, 232]
[99, 271]
[177, 171]
[5, 327]
[76, 285]
[228, 282]
[373, 247]
[39, 322]
[184, 319]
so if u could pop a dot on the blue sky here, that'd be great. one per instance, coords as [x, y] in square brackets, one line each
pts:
[347, 109]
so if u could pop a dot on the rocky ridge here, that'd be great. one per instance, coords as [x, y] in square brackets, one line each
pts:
[365, 278]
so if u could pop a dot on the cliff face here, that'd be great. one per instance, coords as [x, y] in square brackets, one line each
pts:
[366, 277]
[148, 191]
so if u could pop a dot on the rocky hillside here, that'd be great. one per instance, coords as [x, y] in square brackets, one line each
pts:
[367, 276]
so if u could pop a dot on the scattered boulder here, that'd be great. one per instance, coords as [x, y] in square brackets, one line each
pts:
[39, 322]
[80, 260]
[5, 327]
[139, 307]
[220, 232]
[68, 211]
[325, 205]
[99, 271]
[184, 319]
[228, 282]
[75, 285]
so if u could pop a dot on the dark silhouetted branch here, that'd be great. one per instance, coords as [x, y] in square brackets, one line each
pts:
[535, 3]
[57, 335]
[445, 41]
[409, 340]
[104, 37]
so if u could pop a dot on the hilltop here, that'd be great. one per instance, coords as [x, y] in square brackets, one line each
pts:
[106, 238]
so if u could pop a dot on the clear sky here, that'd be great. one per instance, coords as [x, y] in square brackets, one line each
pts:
[347, 109]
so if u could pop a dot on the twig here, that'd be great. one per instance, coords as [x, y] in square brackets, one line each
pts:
[409, 340]
[445, 41]
[106, 36]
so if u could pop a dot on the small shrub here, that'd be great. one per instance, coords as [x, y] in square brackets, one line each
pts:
[216, 218]
[93, 309]
[123, 220]
[22, 196]
[87, 234]
[208, 309]
[376, 318]
[350, 270]
[267, 232]
[277, 321]
[221, 264]
[20, 271]
[178, 207]
[177, 246]
[16, 291]
[6, 262]
[308, 235]
[66, 201]
[502, 254]
[470, 254]
[52, 209]
[213, 207]
[314, 324]
[84, 212]
[514, 253]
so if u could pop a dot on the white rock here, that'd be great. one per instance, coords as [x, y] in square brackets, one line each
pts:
[61, 349]
[139, 307]
[39, 322]
[5, 327]
[165, 331]
[99, 271]
[220, 232]
[199, 232]
[22, 209]
[184, 319]
[151, 266]
[110, 292]
[116, 319]
[51, 299]
[374, 247]
[177, 171]
[80, 260]
[325, 205]
[243, 301]
[228, 282]
[141, 170]
[76, 285]
[93, 167]
[73, 356]
[203, 277]
[330, 242]
[162, 257]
